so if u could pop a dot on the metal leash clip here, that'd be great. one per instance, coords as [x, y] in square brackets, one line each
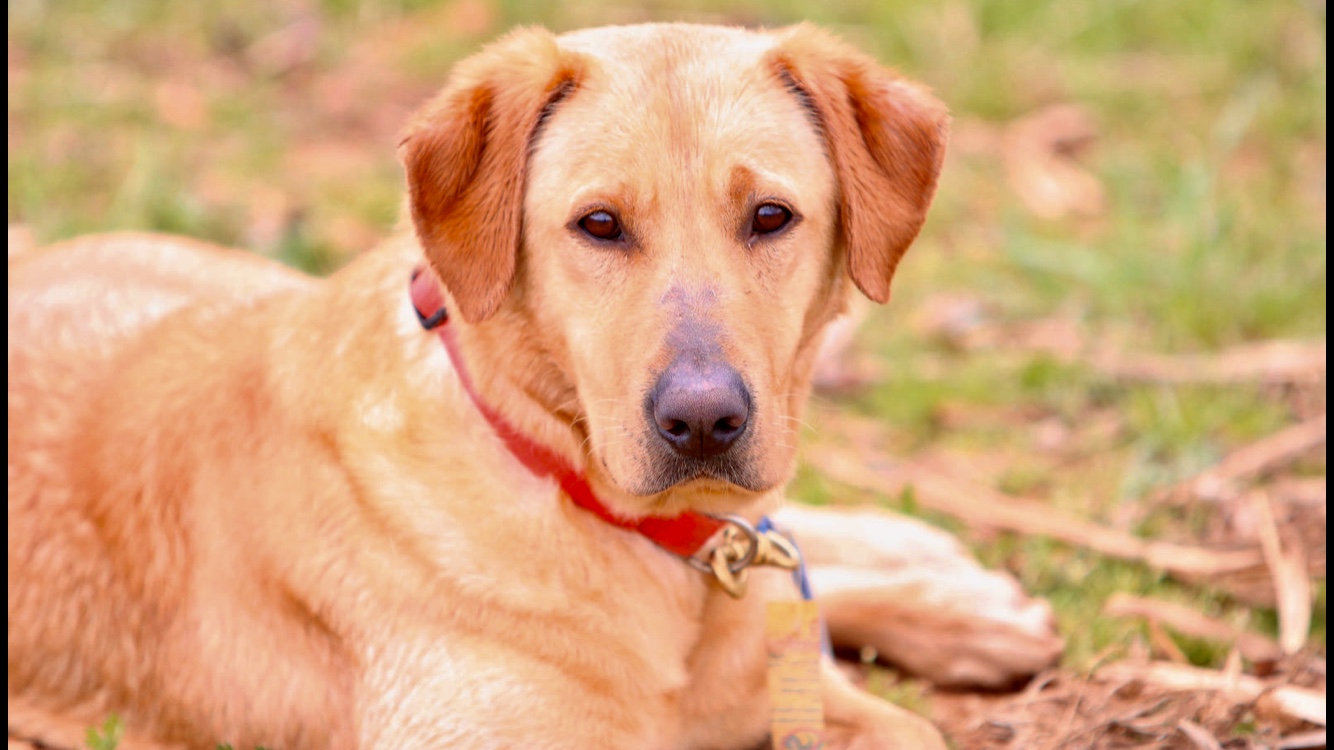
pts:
[741, 547]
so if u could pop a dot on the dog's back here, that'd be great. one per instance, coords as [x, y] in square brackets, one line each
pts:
[79, 314]
[77, 306]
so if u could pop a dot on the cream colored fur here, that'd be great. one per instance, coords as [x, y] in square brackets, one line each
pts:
[250, 507]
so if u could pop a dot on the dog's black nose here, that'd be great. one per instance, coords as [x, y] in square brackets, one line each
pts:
[700, 408]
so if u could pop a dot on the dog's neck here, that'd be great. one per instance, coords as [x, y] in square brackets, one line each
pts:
[685, 535]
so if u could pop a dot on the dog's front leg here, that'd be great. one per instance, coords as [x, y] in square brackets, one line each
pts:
[727, 703]
[857, 720]
[915, 595]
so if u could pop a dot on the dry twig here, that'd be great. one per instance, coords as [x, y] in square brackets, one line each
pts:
[1163, 644]
[1255, 647]
[1250, 462]
[982, 506]
[1304, 741]
[1278, 361]
[1300, 491]
[1201, 737]
[1267, 362]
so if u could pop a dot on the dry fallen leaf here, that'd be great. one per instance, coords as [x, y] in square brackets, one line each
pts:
[1201, 737]
[1039, 154]
[1287, 565]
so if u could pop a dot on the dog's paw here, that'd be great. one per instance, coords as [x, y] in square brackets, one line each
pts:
[914, 594]
[856, 720]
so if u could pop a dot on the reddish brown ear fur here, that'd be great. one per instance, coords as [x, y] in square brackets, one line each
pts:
[886, 137]
[466, 155]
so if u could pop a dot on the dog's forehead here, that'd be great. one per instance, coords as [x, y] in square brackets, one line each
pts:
[697, 100]
[632, 44]
[673, 62]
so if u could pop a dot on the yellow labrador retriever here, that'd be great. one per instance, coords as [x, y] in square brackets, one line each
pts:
[471, 491]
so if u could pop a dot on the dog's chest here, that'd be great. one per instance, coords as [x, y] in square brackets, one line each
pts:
[564, 681]
[542, 620]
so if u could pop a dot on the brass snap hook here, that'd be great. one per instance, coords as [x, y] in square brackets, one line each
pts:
[777, 549]
[735, 552]
[742, 546]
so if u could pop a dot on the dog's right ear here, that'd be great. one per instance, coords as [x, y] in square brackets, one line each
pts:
[466, 157]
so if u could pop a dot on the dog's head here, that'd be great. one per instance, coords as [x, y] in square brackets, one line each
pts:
[673, 212]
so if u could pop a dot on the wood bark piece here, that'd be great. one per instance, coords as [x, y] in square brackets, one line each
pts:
[1292, 584]
[1295, 702]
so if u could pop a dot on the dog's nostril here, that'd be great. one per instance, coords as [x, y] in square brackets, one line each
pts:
[700, 411]
[729, 424]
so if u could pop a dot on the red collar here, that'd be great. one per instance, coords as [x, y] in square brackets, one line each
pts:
[684, 535]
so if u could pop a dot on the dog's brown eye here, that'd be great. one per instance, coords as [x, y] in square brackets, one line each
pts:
[601, 225]
[769, 218]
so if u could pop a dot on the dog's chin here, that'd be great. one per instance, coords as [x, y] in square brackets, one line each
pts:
[674, 487]
[705, 495]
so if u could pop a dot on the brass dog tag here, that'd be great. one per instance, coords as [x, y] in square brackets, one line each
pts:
[796, 712]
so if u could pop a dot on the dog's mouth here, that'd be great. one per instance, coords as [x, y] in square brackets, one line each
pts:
[701, 494]
[719, 475]
[724, 475]
[672, 485]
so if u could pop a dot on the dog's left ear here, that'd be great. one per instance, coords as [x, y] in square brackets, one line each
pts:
[466, 156]
[886, 137]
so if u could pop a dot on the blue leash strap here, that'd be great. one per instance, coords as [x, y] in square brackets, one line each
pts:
[800, 578]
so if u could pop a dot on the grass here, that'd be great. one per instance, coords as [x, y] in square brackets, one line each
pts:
[273, 126]
[107, 736]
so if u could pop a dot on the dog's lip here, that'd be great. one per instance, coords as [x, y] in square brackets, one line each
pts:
[719, 504]
[701, 494]
[705, 484]
[705, 480]
[701, 483]
[698, 494]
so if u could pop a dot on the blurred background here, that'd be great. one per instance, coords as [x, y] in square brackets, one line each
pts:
[1115, 314]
